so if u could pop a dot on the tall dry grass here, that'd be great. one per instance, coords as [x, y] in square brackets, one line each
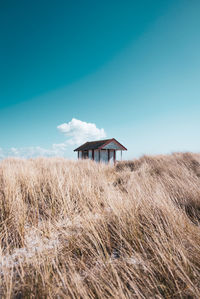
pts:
[86, 230]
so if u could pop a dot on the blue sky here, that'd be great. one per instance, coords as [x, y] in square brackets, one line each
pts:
[130, 68]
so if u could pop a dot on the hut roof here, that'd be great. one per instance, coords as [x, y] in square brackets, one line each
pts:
[99, 144]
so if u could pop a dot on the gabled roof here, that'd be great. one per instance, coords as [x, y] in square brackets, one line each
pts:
[99, 144]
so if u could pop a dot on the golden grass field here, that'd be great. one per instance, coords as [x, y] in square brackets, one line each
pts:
[86, 230]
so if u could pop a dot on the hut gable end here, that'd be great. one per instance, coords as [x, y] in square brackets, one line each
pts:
[113, 145]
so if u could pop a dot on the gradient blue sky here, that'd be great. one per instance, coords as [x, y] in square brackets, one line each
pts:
[130, 67]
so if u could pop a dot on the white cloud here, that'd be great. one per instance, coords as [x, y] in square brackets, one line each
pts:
[34, 151]
[79, 131]
[59, 147]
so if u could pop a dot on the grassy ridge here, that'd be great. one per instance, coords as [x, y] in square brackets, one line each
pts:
[86, 230]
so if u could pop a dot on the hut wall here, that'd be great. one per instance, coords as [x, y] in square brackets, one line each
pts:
[111, 157]
[96, 156]
[90, 154]
[104, 156]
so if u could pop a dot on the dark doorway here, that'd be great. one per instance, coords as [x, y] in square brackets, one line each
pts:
[85, 154]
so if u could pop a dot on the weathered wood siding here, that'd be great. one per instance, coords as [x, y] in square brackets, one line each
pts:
[113, 145]
[104, 156]
[90, 154]
[96, 156]
[111, 157]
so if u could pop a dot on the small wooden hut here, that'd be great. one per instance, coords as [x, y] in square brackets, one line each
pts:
[101, 150]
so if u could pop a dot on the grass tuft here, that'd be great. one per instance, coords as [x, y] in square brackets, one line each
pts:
[86, 230]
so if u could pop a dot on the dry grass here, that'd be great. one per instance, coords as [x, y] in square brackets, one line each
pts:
[84, 230]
